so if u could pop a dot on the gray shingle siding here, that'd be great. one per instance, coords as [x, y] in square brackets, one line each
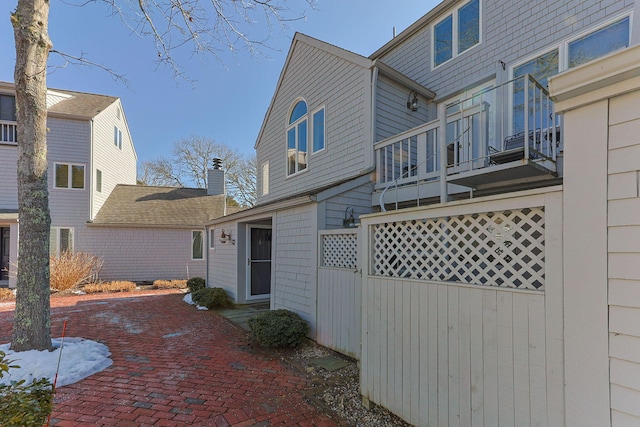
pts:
[512, 30]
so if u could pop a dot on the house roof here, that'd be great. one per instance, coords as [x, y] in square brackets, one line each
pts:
[145, 206]
[81, 105]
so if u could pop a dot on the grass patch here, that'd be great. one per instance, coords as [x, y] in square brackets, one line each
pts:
[118, 286]
[169, 284]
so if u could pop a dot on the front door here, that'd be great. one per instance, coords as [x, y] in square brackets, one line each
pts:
[4, 253]
[259, 283]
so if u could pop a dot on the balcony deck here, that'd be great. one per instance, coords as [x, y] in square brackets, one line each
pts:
[477, 154]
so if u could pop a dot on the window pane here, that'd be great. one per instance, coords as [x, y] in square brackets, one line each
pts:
[443, 41]
[212, 240]
[318, 131]
[302, 145]
[291, 151]
[62, 176]
[65, 240]
[196, 240]
[115, 136]
[468, 25]
[599, 43]
[8, 108]
[298, 111]
[77, 176]
[98, 180]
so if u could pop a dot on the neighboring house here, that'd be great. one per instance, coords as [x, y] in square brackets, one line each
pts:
[478, 304]
[146, 233]
[89, 151]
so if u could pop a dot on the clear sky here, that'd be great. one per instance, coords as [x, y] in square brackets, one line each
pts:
[228, 100]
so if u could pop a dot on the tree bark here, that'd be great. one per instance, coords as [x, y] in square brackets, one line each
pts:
[31, 330]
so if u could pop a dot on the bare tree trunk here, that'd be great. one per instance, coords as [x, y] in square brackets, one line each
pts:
[31, 330]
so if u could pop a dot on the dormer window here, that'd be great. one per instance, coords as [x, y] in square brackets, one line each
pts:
[8, 128]
[297, 139]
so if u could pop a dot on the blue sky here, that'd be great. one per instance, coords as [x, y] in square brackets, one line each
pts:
[228, 100]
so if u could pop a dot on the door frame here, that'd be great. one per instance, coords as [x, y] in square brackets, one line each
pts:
[248, 295]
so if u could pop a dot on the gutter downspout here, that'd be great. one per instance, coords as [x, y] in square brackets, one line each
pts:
[91, 167]
[374, 106]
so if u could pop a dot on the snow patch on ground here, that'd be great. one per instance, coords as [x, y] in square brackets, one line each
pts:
[187, 298]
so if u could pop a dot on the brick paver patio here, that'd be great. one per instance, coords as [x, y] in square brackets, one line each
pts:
[173, 365]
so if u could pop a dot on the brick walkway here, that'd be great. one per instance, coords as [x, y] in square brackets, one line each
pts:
[173, 365]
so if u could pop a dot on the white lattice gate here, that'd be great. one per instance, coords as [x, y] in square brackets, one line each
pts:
[339, 292]
[462, 312]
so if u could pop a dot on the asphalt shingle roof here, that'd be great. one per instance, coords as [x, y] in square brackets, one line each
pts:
[138, 205]
[82, 104]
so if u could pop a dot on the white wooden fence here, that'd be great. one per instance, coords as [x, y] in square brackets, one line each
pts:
[462, 312]
[339, 292]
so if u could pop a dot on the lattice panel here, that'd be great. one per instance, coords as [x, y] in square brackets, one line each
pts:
[340, 250]
[495, 248]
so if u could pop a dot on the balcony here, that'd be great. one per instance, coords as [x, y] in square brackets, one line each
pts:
[8, 132]
[499, 137]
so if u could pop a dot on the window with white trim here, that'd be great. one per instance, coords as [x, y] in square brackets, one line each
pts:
[598, 43]
[212, 240]
[61, 240]
[297, 139]
[197, 248]
[456, 33]
[265, 178]
[69, 175]
[117, 137]
[318, 124]
[98, 180]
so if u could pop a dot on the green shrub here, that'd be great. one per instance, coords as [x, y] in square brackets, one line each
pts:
[23, 404]
[195, 284]
[278, 328]
[212, 298]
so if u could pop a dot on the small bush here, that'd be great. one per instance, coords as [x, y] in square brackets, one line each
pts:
[23, 404]
[6, 294]
[72, 269]
[195, 284]
[278, 328]
[118, 286]
[169, 284]
[212, 298]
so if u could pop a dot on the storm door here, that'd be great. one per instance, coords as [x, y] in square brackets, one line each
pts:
[259, 284]
[4, 253]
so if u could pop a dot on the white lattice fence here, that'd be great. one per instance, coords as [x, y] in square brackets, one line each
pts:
[339, 250]
[505, 249]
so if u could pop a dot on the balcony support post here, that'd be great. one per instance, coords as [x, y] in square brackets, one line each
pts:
[442, 147]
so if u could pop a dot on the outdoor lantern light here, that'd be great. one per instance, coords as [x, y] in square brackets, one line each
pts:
[349, 219]
[412, 102]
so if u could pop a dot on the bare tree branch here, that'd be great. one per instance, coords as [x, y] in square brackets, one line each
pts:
[82, 61]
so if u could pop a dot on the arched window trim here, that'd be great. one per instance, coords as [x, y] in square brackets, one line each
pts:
[297, 145]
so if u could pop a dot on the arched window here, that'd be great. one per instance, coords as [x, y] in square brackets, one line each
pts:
[297, 139]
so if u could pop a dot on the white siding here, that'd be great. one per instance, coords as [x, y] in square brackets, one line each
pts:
[624, 258]
[118, 166]
[343, 87]
[141, 254]
[294, 262]
[8, 177]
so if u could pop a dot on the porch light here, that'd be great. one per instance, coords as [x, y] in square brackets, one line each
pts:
[225, 236]
[412, 101]
[349, 220]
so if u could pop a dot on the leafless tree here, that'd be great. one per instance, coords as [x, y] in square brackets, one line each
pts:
[201, 26]
[192, 158]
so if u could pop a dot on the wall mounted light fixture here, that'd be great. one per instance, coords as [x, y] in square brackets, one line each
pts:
[412, 101]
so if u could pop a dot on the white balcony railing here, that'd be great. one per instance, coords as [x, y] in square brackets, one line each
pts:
[8, 132]
[485, 131]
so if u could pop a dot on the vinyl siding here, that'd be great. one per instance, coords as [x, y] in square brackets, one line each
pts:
[392, 115]
[343, 87]
[223, 265]
[68, 142]
[294, 261]
[141, 254]
[359, 199]
[624, 259]
[511, 31]
[8, 177]
[118, 166]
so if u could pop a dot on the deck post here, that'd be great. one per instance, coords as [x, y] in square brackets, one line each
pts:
[442, 143]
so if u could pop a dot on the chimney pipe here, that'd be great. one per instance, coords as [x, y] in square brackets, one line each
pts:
[215, 179]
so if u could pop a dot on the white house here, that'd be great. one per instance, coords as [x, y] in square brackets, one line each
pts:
[492, 273]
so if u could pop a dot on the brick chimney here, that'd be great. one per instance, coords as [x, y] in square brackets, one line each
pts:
[215, 179]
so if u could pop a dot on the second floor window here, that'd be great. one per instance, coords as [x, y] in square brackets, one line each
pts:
[69, 176]
[117, 137]
[8, 108]
[297, 139]
[456, 32]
